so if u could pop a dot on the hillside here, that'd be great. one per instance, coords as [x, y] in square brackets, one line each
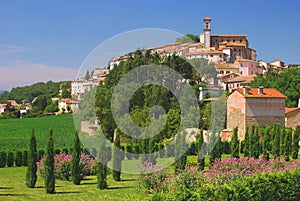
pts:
[28, 93]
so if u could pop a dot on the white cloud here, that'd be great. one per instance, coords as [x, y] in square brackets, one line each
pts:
[12, 49]
[21, 73]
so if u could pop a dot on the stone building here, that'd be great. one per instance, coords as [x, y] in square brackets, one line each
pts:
[292, 117]
[253, 106]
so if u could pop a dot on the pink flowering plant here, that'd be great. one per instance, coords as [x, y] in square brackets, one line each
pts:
[184, 183]
[62, 165]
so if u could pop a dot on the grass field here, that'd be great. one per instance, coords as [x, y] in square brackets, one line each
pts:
[12, 187]
[15, 133]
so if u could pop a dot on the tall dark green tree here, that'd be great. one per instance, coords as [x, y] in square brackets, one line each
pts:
[201, 155]
[102, 164]
[49, 165]
[117, 158]
[295, 148]
[31, 176]
[254, 142]
[287, 144]
[75, 167]
[247, 144]
[276, 141]
[181, 148]
[216, 151]
[234, 144]
[266, 144]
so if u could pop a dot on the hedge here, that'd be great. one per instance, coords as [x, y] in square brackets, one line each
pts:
[267, 187]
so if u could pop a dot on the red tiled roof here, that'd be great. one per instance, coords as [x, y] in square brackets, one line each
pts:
[242, 79]
[267, 93]
[288, 110]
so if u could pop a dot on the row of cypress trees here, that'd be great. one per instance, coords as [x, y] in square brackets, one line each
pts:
[31, 174]
[272, 140]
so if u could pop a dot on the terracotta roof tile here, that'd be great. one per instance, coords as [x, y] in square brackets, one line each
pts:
[267, 93]
[288, 110]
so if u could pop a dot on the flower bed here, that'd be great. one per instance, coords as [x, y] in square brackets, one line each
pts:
[185, 184]
[62, 165]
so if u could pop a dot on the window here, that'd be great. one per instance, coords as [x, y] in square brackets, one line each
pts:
[241, 40]
[251, 72]
[227, 72]
[207, 25]
[241, 64]
[241, 72]
[221, 72]
[227, 40]
[233, 40]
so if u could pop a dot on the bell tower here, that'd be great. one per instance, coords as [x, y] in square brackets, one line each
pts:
[207, 21]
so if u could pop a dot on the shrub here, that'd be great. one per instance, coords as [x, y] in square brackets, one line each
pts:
[41, 154]
[19, 159]
[128, 151]
[57, 151]
[10, 159]
[161, 148]
[66, 151]
[62, 166]
[2, 159]
[193, 150]
[25, 158]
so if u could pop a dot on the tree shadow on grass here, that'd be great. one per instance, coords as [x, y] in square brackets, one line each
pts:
[66, 192]
[10, 194]
[119, 187]
[91, 183]
[5, 188]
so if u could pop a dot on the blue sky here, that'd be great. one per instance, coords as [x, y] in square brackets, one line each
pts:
[49, 40]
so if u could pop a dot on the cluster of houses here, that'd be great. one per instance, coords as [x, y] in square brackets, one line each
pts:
[23, 108]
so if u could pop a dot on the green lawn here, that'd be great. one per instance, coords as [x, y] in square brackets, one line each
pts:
[12, 187]
[15, 133]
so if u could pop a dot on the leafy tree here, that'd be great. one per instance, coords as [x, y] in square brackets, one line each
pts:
[117, 158]
[49, 165]
[87, 75]
[203, 71]
[201, 155]
[286, 82]
[31, 176]
[234, 144]
[75, 167]
[189, 38]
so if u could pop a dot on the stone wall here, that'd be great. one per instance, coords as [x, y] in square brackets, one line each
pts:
[293, 119]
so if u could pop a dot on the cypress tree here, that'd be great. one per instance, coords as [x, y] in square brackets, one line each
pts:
[49, 165]
[201, 155]
[256, 144]
[102, 164]
[75, 168]
[282, 140]
[181, 148]
[247, 144]
[287, 144]
[10, 159]
[295, 148]
[117, 159]
[266, 144]
[216, 151]
[2, 159]
[31, 176]
[234, 144]
[276, 141]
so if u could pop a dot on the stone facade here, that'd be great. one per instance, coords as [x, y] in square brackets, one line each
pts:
[292, 117]
[255, 106]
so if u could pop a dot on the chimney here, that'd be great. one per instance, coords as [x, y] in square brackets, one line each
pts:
[246, 90]
[261, 90]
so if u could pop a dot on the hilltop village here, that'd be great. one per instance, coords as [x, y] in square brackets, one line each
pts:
[236, 66]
